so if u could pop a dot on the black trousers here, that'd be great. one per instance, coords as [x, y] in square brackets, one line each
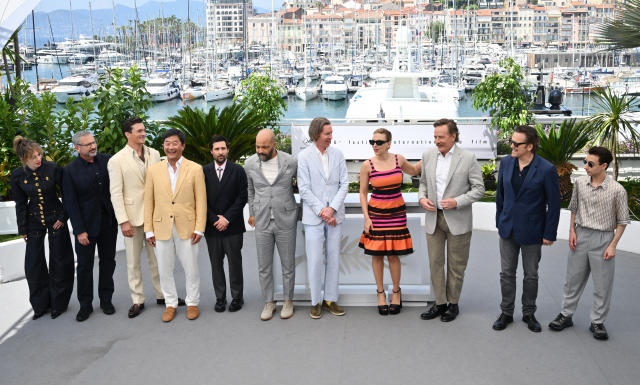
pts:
[231, 246]
[49, 287]
[106, 243]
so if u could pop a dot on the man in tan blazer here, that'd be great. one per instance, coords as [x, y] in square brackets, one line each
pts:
[127, 172]
[175, 215]
[451, 181]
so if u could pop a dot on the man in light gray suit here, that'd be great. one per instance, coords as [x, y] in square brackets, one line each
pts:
[274, 213]
[323, 184]
[451, 181]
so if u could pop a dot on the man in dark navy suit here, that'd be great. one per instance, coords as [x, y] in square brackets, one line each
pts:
[527, 214]
[226, 196]
[88, 201]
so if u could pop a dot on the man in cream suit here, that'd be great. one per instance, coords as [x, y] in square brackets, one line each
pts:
[323, 184]
[127, 171]
[451, 181]
[274, 213]
[175, 215]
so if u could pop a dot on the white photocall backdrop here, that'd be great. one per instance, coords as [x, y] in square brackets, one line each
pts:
[410, 140]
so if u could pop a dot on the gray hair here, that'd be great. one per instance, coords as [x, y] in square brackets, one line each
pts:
[76, 137]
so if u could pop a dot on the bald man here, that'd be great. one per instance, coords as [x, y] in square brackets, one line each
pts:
[274, 214]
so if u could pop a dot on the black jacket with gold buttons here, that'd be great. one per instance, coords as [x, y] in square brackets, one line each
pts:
[36, 193]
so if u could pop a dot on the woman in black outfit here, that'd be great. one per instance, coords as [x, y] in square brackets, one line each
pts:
[35, 187]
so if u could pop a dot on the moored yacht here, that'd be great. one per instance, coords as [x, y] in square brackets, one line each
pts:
[162, 89]
[75, 88]
[334, 88]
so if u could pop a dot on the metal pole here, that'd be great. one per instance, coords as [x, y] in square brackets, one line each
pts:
[35, 57]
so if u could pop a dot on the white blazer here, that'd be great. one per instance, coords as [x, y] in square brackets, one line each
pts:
[318, 191]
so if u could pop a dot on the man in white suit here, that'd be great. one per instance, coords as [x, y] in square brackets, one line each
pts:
[323, 183]
[451, 181]
[127, 172]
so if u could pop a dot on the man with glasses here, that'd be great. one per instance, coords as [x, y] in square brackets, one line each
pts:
[527, 214]
[88, 201]
[599, 215]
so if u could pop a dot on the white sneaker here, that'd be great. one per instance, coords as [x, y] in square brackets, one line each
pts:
[287, 310]
[267, 312]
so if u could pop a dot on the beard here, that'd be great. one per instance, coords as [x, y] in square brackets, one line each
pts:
[266, 157]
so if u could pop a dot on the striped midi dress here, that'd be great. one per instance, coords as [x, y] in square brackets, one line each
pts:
[388, 214]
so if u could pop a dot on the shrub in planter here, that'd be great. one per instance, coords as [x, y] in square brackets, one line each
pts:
[489, 175]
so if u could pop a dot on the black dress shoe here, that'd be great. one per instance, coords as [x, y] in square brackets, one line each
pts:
[161, 301]
[561, 322]
[532, 323]
[394, 308]
[107, 308]
[434, 311]
[56, 313]
[221, 305]
[236, 304]
[383, 309]
[502, 322]
[84, 314]
[598, 331]
[451, 313]
[135, 310]
[38, 314]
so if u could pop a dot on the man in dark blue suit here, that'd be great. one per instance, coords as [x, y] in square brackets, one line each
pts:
[527, 214]
[88, 201]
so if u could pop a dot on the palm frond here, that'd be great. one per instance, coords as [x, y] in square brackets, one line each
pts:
[623, 31]
[561, 143]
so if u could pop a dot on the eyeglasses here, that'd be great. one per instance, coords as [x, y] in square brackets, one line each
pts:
[377, 142]
[588, 163]
[516, 144]
[86, 144]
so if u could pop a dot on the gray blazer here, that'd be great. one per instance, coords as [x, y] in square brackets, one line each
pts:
[318, 191]
[465, 184]
[277, 197]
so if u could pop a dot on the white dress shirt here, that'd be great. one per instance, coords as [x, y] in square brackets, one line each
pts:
[324, 158]
[223, 166]
[442, 173]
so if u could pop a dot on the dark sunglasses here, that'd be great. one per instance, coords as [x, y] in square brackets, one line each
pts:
[377, 142]
[588, 163]
[516, 143]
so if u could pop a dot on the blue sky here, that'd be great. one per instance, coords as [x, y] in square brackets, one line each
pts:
[51, 5]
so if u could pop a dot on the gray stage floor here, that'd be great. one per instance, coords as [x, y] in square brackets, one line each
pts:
[359, 348]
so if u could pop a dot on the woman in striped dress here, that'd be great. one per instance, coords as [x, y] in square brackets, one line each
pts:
[385, 217]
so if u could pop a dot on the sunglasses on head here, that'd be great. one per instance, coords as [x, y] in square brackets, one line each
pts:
[377, 142]
[588, 163]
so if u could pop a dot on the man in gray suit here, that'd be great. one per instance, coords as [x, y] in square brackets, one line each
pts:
[451, 181]
[274, 213]
[323, 184]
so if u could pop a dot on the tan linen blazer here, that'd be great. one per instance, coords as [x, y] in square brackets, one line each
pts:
[186, 206]
[126, 177]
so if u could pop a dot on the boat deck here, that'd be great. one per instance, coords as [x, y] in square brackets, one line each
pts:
[358, 348]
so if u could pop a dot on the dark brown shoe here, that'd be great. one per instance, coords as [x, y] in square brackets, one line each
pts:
[135, 310]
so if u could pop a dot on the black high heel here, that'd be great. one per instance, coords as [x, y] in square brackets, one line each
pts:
[382, 309]
[395, 308]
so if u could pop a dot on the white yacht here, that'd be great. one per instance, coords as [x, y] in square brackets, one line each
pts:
[195, 90]
[218, 91]
[162, 89]
[334, 88]
[306, 90]
[74, 87]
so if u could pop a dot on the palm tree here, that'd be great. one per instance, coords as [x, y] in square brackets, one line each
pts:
[237, 124]
[558, 146]
[623, 31]
[613, 125]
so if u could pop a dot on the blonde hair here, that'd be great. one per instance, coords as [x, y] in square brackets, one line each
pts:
[24, 148]
[384, 132]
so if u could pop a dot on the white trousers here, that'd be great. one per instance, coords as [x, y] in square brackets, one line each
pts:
[166, 252]
[133, 248]
[323, 260]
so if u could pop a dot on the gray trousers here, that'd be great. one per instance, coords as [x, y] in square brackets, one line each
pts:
[285, 241]
[509, 252]
[447, 287]
[231, 246]
[589, 258]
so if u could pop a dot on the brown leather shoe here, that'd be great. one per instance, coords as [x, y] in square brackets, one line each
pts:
[168, 314]
[192, 312]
